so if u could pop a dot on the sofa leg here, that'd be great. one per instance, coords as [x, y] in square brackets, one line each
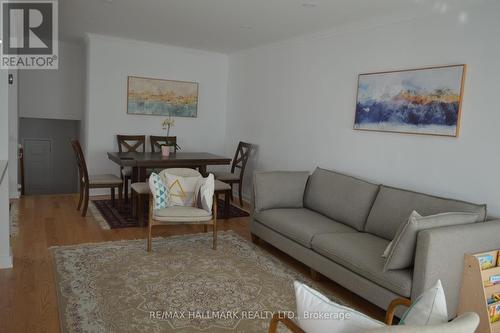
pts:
[255, 239]
[315, 276]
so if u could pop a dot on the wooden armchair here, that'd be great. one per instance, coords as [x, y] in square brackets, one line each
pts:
[293, 327]
[176, 215]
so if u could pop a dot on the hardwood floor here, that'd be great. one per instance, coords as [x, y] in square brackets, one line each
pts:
[28, 300]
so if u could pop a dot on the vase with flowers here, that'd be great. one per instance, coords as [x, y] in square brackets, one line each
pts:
[165, 148]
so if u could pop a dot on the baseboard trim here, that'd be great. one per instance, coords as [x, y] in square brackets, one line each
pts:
[5, 262]
[15, 195]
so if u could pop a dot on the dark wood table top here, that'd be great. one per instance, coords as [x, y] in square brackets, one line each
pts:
[174, 159]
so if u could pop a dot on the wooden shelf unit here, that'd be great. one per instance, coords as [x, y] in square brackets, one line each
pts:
[474, 293]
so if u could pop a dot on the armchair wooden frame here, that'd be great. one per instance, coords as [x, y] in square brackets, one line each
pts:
[153, 222]
[130, 143]
[293, 327]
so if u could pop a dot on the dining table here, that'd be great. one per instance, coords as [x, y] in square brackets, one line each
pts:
[140, 162]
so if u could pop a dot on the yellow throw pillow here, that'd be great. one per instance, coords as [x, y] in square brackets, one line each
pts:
[181, 190]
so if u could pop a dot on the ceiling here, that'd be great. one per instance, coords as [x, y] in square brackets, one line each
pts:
[228, 26]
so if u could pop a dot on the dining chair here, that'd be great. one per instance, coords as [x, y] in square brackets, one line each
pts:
[175, 215]
[129, 143]
[239, 162]
[95, 181]
[158, 141]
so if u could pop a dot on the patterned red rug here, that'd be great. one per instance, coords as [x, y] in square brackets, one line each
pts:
[122, 218]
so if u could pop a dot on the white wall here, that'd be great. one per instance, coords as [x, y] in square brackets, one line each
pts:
[296, 100]
[54, 94]
[109, 62]
[5, 253]
[13, 136]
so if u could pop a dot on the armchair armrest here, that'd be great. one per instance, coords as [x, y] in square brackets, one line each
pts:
[277, 318]
[279, 189]
[440, 255]
[389, 316]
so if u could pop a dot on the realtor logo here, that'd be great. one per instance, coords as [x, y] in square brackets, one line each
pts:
[29, 35]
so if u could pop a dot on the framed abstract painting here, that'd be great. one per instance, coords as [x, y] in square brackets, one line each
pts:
[415, 101]
[157, 97]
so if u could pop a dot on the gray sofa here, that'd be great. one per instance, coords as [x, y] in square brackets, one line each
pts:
[339, 226]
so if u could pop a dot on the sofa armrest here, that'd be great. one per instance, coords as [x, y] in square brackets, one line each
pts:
[279, 189]
[440, 255]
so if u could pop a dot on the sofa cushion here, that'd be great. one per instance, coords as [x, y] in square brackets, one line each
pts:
[299, 224]
[393, 206]
[360, 253]
[343, 198]
[279, 189]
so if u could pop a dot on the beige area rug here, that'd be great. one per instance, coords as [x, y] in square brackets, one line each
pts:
[182, 286]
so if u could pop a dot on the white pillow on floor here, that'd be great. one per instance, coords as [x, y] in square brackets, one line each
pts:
[317, 314]
[428, 309]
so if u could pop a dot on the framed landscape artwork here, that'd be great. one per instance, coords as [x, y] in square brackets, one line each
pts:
[417, 101]
[157, 97]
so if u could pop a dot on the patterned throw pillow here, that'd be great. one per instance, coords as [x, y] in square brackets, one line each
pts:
[159, 191]
[205, 193]
[181, 190]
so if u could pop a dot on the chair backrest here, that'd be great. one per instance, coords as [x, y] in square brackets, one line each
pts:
[158, 141]
[466, 323]
[131, 143]
[180, 172]
[241, 157]
[80, 161]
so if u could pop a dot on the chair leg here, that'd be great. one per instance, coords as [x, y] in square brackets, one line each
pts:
[232, 198]
[239, 193]
[113, 201]
[81, 196]
[125, 189]
[215, 235]
[85, 201]
[134, 205]
[227, 203]
[150, 226]
[140, 209]
[120, 199]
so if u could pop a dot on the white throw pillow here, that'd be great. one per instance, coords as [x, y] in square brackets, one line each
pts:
[428, 309]
[181, 190]
[205, 193]
[317, 314]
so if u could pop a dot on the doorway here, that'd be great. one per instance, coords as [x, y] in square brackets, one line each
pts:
[37, 165]
[49, 161]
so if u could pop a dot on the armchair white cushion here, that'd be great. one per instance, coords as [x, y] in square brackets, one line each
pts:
[317, 314]
[427, 315]
[466, 323]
